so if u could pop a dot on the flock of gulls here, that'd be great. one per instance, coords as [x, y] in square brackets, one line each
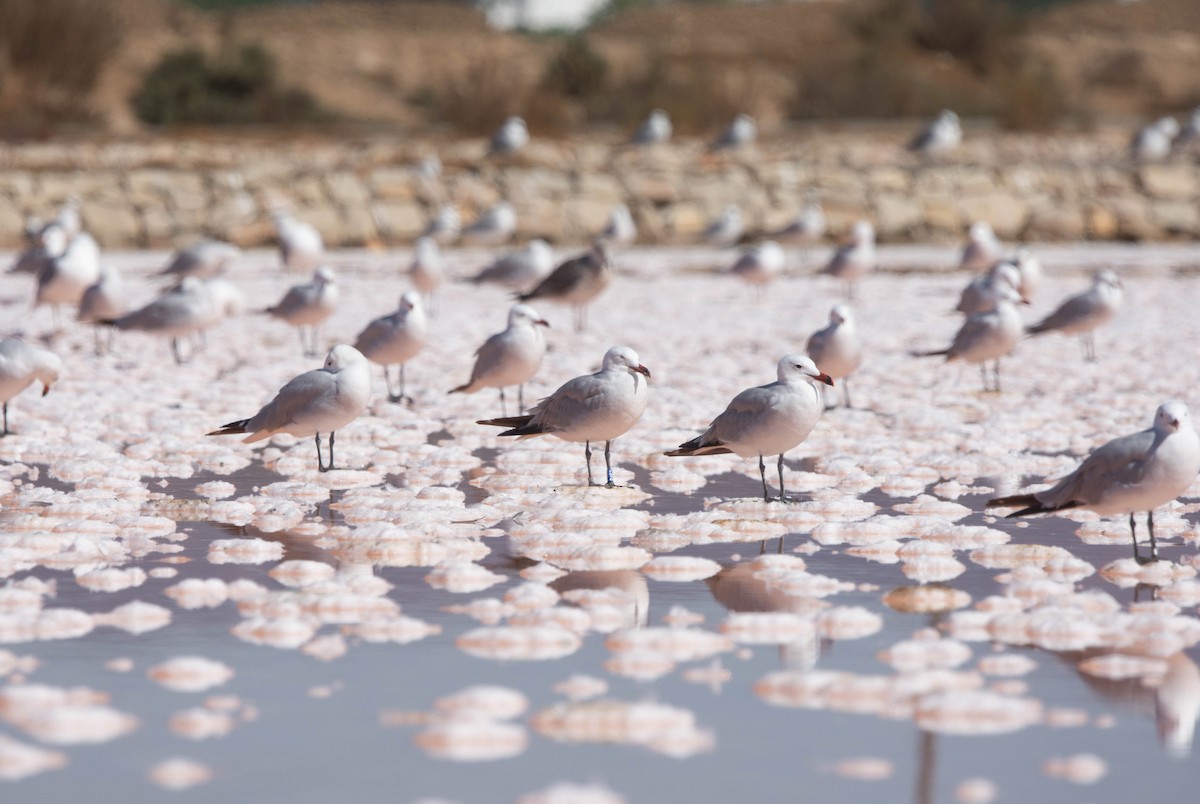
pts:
[201, 290]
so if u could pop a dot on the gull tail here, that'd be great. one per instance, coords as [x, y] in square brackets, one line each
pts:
[695, 447]
[1027, 505]
[935, 353]
[465, 388]
[233, 428]
[1036, 329]
[519, 425]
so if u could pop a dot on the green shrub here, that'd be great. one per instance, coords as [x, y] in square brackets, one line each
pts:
[577, 72]
[480, 99]
[239, 87]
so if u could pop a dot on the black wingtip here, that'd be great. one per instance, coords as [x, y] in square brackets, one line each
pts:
[233, 428]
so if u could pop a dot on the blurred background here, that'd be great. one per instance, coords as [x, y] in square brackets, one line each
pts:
[102, 67]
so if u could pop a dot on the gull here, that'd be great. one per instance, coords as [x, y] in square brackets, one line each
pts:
[1137, 472]
[943, 134]
[521, 269]
[510, 357]
[1030, 269]
[855, 259]
[725, 229]
[594, 407]
[22, 364]
[766, 420]
[184, 310]
[444, 227]
[34, 256]
[987, 335]
[512, 136]
[323, 400]
[495, 226]
[425, 271]
[225, 301]
[741, 131]
[655, 129]
[71, 267]
[1083, 313]
[982, 250]
[1189, 135]
[308, 305]
[204, 258]
[759, 264]
[1153, 142]
[300, 245]
[576, 281]
[395, 338]
[104, 300]
[979, 295]
[69, 217]
[620, 229]
[836, 349]
[806, 228]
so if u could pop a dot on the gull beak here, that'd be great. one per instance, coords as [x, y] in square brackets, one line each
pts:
[1025, 300]
[541, 322]
[640, 369]
[1174, 423]
[825, 378]
[45, 389]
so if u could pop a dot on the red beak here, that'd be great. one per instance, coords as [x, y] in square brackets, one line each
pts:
[642, 370]
[541, 322]
[45, 389]
[825, 378]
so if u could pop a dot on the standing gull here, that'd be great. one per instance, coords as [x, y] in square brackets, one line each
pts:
[855, 259]
[72, 265]
[1029, 267]
[766, 420]
[654, 129]
[943, 134]
[184, 310]
[512, 136]
[982, 250]
[836, 349]
[620, 229]
[205, 259]
[1137, 472]
[980, 293]
[759, 265]
[494, 227]
[20, 365]
[741, 131]
[425, 271]
[594, 407]
[510, 357]
[806, 228]
[725, 229]
[105, 300]
[395, 338]
[1083, 313]
[445, 226]
[519, 270]
[577, 281]
[323, 400]
[1153, 142]
[300, 245]
[988, 335]
[308, 305]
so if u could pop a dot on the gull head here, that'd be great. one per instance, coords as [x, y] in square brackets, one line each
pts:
[1171, 417]
[54, 240]
[49, 366]
[626, 358]
[342, 356]
[793, 367]
[981, 231]
[863, 232]
[323, 276]
[840, 314]
[1106, 277]
[426, 249]
[524, 314]
[410, 300]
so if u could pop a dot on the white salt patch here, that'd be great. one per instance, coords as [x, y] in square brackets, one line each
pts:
[198, 593]
[581, 687]
[472, 740]
[112, 580]
[19, 760]
[190, 674]
[462, 577]
[976, 791]
[513, 643]
[1078, 769]
[178, 773]
[865, 769]
[326, 648]
[680, 569]
[200, 724]
[244, 551]
[569, 793]
[976, 712]
[285, 634]
[135, 617]
[486, 701]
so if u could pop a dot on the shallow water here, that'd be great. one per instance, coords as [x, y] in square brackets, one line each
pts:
[114, 455]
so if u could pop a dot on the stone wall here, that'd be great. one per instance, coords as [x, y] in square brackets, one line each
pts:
[166, 193]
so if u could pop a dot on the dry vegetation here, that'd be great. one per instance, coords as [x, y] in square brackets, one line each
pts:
[414, 65]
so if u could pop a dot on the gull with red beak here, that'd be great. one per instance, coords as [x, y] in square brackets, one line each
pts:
[22, 364]
[594, 407]
[766, 420]
[1137, 472]
[510, 357]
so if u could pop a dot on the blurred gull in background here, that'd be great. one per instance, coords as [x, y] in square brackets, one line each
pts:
[300, 245]
[510, 357]
[519, 270]
[308, 306]
[492, 228]
[395, 339]
[942, 135]
[576, 282]
[656, 128]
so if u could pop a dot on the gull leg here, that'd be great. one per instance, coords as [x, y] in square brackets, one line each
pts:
[587, 456]
[303, 342]
[983, 376]
[521, 398]
[1153, 544]
[782, 497]
[175, 351]
[846, 393]
[1133, 535]
[608, 462]
[331, 435]
[1091, 345]
[321, 467]
[762, 471]
[503, 406]
[403, 397]
[6, 430]
[387, 379]
[997, 375]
